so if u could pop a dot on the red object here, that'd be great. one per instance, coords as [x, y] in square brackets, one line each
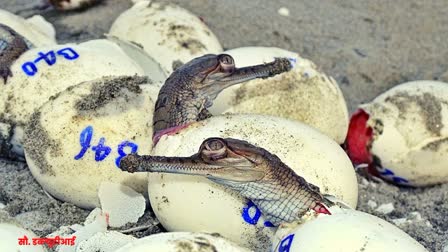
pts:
[168, 131]
[321, 208]
[359, 138]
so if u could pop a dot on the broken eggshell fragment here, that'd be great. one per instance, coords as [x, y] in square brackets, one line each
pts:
[35, 29]
[41, 73]
[76, 140]
[345, 230]
[401, 135]
[196, 204]
[305, 93]
[182, 241]
[167, 32]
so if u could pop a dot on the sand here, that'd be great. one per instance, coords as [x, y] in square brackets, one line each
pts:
[367, 46]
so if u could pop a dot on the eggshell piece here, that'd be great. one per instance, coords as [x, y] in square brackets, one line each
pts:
[150, 66]
[35, 29]
[194, 203]
[97, 225]
[182, 241]
[305, 93]
[105, 241]
[121, 203]
[76, 140]
[410, 137]
[10, 234]
[167, 32]
[349, 231]
[41, 73]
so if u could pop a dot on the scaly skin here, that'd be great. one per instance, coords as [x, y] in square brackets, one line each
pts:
[191, 89]
[12, 45]
[280, 194]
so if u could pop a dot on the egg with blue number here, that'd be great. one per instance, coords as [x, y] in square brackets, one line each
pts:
[182, 241]
[76, 140]
[401, 136]
[168, 33]
[192, 203]
[41, 73]
[345, 230]
[35, 29]
[305, 93]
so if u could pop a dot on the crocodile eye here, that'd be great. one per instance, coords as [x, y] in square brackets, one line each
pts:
[214, 149]
[226, 62]
[214, 145]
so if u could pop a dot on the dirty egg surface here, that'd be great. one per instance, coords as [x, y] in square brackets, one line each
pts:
[367, 47]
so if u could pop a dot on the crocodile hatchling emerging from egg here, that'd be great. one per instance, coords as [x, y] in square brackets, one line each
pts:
[281, 195]
[191, 89]
[12, 45]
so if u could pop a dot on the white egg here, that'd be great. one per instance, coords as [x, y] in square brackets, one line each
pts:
[191, 203]
[41, 73]
[35, 29]
[402, 134]
[305, 93]
[76, 140]
[167, 32]
[182, 241]
[10, 235]
[349, 231]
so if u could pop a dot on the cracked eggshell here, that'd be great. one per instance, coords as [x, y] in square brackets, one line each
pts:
[75, 140]
[23, 93]
[35, 29]
[167, 32]
[410, 134]
[105, 241]
[193, 203]
[182, 241]
[121, 203]
[349, 231]
[305, 93]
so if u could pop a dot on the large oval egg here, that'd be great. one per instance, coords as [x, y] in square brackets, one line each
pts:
[182, 241]
[410, 133]
[76, 140]
[191, 203]
[167, 32]
[349, 231]
[35, 29]
[41, 73]
[305, 93]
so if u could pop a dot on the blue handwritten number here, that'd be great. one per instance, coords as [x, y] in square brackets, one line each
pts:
[247, 215]
[29, 68]
[84, 139]
[285, 244]
[387, 172]
[121, 152]
[396, 179]
[101, 151]
[68, 53]
[49, 57]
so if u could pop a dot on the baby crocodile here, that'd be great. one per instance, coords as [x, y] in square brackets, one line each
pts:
[191, 89]
[280, 194]
[12, 45]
